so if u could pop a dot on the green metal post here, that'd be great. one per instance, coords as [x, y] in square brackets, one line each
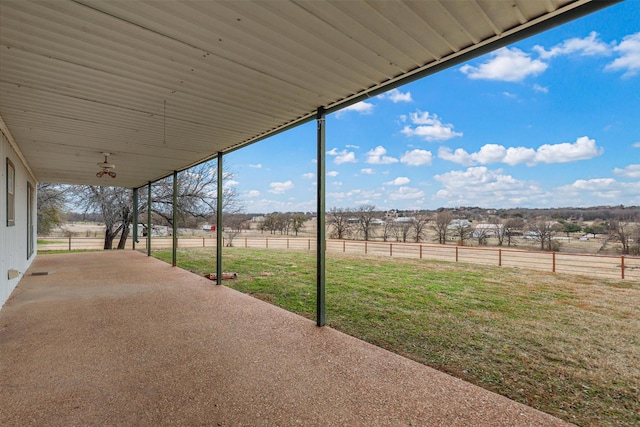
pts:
[149, 219]
[135, 218]
[321, 233]
[219, 223]
[174, 256]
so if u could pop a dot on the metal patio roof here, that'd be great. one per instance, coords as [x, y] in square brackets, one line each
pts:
[165, 84]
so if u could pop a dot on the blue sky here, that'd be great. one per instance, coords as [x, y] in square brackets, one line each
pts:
[551, 121]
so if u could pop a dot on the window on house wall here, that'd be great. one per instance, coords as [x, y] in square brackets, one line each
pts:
[30, 224]
[11, 193]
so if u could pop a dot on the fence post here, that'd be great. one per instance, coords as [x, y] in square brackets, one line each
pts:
[554, 262]
[365, 246]
[309, 244]
[69, 243]
[622, 265]
[267, 242]
[456, 253]
[287, 243]
[245, 242]
[203, 242]
[499, 257]
[420, 251]
[390, 249]
[343, 245]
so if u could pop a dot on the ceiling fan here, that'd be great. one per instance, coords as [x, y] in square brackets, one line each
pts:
[106, 167]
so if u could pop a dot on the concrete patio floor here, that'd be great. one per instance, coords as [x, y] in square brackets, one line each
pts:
[117, 338]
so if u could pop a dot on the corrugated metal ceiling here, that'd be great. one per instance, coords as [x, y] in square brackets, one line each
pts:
[165, 84]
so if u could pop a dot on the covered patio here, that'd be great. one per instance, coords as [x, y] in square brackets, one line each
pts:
[149, 344]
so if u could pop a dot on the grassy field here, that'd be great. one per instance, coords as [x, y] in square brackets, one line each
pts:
[569, 346]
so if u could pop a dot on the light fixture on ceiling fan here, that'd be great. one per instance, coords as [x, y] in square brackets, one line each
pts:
[106, 167]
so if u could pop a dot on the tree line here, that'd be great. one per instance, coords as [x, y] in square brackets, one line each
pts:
[366, 223]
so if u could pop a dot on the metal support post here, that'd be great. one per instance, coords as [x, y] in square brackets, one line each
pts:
[135, 218]
[149, 219]
[174, 255]
[219, 223]
[321, 233]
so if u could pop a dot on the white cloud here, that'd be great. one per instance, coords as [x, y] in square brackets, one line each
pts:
[631, 171]
[308, 175]
[377, 156]
[253, 193]
[482, 186]
[367, 171]
[584, 148]
[256, 166]
[396, 96]
[230, 183]
[337, 183]
[417, 157]
[509, 95]
[539, 88]
[352, 146]
[511, 65]
[588, 46]
[333, 173]
[401, 180]
[361, 107]
[636, 144]
[281, 187]
[629, 59]
[343, 156]
[429, 127]
[600, 191]
[404, 193]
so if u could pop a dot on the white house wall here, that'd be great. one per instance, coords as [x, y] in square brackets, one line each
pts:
[13, 239]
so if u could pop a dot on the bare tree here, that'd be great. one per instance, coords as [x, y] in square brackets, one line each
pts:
[338, 219]
[387, 230]
[627, 232]
[297, 222]
[461, 230]
[115, 206]
[197, 194]
[401, 229]
[441, 226]
[419, 225]
[500, 229]
[482, 234]
[365, 214]
[511, 228]
[542, 231]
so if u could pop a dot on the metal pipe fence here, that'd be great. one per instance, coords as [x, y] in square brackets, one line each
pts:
[605, 266]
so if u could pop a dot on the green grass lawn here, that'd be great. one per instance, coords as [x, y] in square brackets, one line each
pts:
[566, 345]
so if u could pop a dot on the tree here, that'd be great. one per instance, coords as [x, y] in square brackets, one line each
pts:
[115, 206]
[419, 225]
[482, 234]
[338, 219]
[365, 214]
[627, 232]
[51, 201]
[570, 227]
[441, 226]
[542, 231]
[197, 198]
[513, 227]
[297, 222]
[500, 229]
[401, 229]
[197, 195]
[461, 229]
